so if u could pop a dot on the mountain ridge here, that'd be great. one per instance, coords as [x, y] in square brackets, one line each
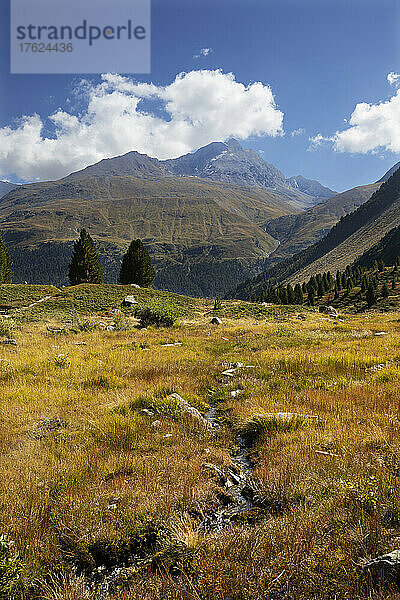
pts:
[345, 243]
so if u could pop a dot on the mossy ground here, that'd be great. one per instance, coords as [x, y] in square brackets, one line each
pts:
[88, 478]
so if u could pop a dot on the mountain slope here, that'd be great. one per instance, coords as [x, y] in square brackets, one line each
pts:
[310, 187]
[297, 232]
[230, 163]
[5, 187]
[389, 173]
[225, 162]
[346, 242]
[194, 229]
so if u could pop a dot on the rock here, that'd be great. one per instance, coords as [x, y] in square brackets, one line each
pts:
[384, 569]
[229, 372]
[135, 285]
[190, 410]
[235, 393]
[329, 310]
[10, 342]
[129, 301]
[54, 330]
[148, 412]
[156, 424]
[216, 321]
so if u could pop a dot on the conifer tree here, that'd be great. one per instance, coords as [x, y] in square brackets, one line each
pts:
[298, 294]
[5, 264]
[385, 291]
[311, 297]
[85, 263]
[136, 266]
[371, 295]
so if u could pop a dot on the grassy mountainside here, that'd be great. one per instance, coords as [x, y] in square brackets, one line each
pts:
[386, 250]
[185, 223]
[6, 187]
[111, 491]
[353, 235]
[297, 232]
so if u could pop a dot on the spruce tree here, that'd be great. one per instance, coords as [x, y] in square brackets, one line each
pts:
[371, 295]
[136, 266]
[85, 263]
[385, 291]
[5, 264]
[298, 294]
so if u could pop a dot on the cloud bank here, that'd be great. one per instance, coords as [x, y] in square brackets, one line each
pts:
[371, 127]
[121, 115]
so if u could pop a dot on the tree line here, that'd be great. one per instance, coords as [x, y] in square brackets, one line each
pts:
[335, 286]
[85, 265]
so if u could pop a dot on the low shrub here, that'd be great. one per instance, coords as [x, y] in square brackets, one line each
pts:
[157, 314]
[160, 403]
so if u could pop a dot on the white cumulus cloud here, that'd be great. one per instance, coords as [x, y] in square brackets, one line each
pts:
[203, 52]
[371, 127]
[197, 108]
[297, 132]
[393, 78]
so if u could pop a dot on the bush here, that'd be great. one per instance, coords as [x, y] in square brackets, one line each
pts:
[157, 315]
[160, 403]
[6, 327]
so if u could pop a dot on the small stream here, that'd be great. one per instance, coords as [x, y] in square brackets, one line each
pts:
[237, 481]
[238, 498]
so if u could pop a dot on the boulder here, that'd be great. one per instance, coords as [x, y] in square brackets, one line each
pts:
[10, 342]
[384, 569]
[190, 410]
[329, 310]
[216, 321]
[129, 301]
[54, 330]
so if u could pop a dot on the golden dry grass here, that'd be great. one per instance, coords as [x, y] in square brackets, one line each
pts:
[87, 479]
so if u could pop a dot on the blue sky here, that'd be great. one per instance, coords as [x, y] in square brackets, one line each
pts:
[320, 58]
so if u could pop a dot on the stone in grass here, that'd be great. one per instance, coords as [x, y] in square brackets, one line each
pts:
[385, 569]
[330, 311]
[10, 342]
[190, 410]
[129, 301]
[216, 321]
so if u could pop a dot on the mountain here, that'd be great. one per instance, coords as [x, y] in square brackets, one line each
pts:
[202, 235]
[310, 187]
[132, 163]
[389, 173]
[352, 237]
[5, 187]
[227, 163]
[230, 163]
[297, 232]
[202, 216]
